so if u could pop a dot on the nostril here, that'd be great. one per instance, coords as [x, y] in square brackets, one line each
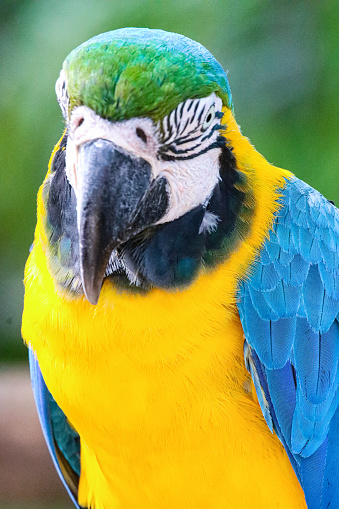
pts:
[141, 133]
[80, 121]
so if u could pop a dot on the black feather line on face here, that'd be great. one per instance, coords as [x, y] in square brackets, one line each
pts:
[187, 138]
[176, 119]
[195, 112]
[190, 105]
[181, 141]
[201, 114]
[169, 128]
[163, 155]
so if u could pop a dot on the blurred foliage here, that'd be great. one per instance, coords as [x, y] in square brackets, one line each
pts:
[36, 505]
[282, 60]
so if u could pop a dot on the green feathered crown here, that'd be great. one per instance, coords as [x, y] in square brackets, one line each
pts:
[133, 72]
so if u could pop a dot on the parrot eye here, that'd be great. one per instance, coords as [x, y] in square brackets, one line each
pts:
[209, 118]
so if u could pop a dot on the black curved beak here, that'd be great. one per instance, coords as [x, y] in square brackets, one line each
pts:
[116, 199]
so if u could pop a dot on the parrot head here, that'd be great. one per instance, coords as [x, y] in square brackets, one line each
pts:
[145, 183]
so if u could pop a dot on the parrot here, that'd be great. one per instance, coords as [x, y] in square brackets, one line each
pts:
[181, 294]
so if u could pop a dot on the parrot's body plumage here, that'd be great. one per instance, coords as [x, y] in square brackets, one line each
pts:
[166, 250]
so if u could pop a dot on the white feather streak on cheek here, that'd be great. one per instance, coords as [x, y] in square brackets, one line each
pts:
[75, 186]
[71, 164]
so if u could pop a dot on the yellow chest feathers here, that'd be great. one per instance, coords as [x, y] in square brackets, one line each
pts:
[157, 388]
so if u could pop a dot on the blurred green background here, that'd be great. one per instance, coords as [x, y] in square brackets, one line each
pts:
[282, 59]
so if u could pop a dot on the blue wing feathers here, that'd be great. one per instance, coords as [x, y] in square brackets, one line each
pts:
[316, 358]
[283, 328]
[307, 436]
[285, 238]
[65, 436]
[265, 257]
[273, 249]
[312, 475]
[321, 309]
[330, 495]
[313, 297]
[283, 270]
[256, 373]
[284, 300]
[266, 278]
[329, 280]
[284, 257]
[281, 386]
[261, 305]
[265, 334]
[293, 273]
[319, 412]
[310, 248]
[58, 433]
[260, 335]
[290, 305]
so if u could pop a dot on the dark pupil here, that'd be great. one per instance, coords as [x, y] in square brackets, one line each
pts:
[141, 133]
[208, 118]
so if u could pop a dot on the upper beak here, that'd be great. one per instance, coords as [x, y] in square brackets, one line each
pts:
[116, 198]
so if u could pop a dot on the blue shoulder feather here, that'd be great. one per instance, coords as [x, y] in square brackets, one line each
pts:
[62, 440]
[289, 311]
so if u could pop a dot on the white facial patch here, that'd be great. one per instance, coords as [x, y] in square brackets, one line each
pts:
[182, 147]
[191, 182]
[85, 125]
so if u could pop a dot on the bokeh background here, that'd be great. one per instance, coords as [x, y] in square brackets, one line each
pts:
[282, 58]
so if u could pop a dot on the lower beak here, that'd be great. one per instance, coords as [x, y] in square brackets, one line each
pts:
[117, 198]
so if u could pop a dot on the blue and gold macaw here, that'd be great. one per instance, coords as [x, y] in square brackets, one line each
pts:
[167, 250]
